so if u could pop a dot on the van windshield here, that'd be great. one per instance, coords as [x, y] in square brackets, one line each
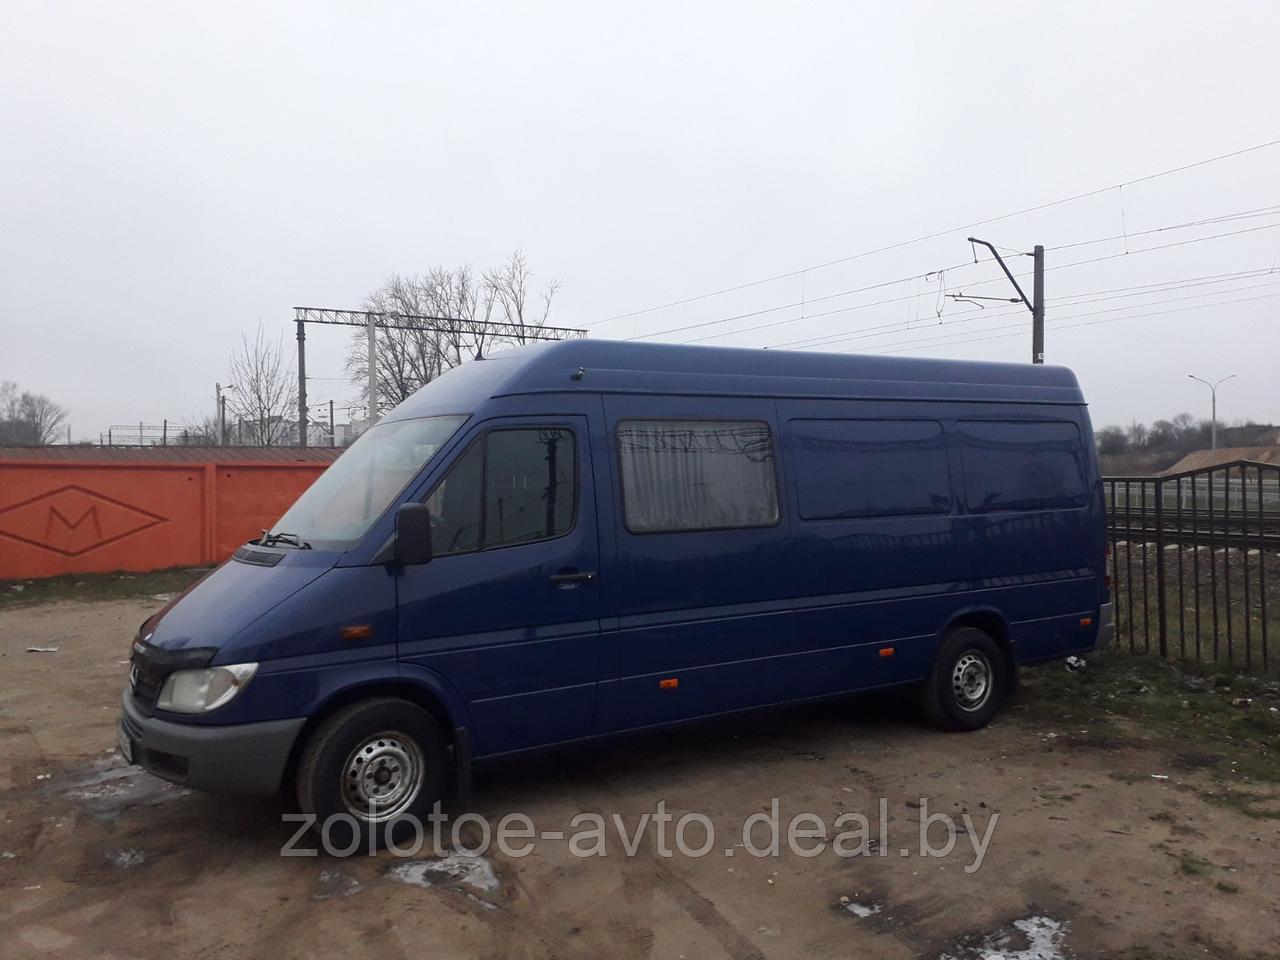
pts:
[340, 507]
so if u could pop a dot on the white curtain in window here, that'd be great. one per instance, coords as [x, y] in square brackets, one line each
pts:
[697, 475]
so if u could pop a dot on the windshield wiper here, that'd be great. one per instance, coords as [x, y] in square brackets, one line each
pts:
[292, 539]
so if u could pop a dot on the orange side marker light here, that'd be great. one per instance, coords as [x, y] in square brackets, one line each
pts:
[358, 631]
[668, 684]
[886, 651]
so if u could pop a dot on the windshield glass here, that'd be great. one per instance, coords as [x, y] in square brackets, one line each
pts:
[340, 507]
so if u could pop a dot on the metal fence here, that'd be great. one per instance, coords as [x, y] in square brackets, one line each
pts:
[1195, 563]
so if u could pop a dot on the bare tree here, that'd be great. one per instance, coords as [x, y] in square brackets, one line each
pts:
[409, 358]
[26, 418]
[508, 289]
[264, 390]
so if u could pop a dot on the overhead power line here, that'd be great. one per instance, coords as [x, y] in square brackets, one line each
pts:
[804, 303]
[1132, 253]
[862, 335]
[1087, 323]
[808, 315]
[1115, 293]
[957, 339]
[1269, 211]
[940, 233]
[1097, 296]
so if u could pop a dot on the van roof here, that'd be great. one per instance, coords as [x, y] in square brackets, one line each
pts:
[610, 366]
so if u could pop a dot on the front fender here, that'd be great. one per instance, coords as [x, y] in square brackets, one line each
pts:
[442, 690]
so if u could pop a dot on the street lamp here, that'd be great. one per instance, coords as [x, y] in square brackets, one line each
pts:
[222, 411]
[1213, 417]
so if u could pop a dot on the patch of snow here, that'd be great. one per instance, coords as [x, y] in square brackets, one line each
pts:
[863, 910]
[1043, 937]
[457, 868]
[124, 859]
[335, 883]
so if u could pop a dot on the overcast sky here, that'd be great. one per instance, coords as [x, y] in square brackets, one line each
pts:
[172, 173]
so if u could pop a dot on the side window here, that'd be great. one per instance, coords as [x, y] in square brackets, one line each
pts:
[680, 475]
[869, 468]
[1022, 465]
[513, 486]
[455, 505]
[528, 486]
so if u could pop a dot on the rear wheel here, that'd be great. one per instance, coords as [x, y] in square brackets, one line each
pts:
[369, 769]
[968, 682]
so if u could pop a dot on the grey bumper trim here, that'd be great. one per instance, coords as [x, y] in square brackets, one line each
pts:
[241, 758]
[1106, 625]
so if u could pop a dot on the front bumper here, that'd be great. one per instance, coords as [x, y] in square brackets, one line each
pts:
[241, 758]
[1106, 625]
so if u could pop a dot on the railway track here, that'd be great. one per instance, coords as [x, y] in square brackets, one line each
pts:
[1234, 539]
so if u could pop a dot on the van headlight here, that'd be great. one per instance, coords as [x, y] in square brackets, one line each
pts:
[199, 691]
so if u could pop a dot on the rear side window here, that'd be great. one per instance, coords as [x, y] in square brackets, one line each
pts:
[869, 468]
[1022, 466]
[513, 486]
[680, 475]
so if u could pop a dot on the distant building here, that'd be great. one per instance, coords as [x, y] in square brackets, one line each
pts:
[284, 433]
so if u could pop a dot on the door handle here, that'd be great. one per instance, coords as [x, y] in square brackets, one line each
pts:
[572, 579]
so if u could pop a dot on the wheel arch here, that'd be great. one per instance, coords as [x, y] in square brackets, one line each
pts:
[993, 623]
[420, 687]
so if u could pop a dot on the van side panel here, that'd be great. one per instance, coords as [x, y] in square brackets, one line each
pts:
[704, 608]
[874, 589]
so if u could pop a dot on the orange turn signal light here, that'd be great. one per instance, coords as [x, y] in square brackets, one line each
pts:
[886, 651]
[668, 684]
[1086, 621]
[358, 631]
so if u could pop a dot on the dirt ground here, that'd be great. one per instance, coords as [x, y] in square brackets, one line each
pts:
[1108, 843]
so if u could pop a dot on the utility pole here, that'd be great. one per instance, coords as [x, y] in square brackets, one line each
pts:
[221, 412]
[1035, 304]
[333, 440]
[302, 383]
[1213, 410]
[373, 370]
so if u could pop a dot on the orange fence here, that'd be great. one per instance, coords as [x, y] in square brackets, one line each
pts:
[81, 517]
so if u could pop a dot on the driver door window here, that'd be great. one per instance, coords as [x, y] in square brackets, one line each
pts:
[510, 487]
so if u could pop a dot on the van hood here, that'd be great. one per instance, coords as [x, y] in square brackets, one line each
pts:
[215, 609]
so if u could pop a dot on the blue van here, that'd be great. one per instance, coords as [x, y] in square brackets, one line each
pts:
[575, 539]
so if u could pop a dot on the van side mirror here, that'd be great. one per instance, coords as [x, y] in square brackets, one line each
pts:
[413, 534]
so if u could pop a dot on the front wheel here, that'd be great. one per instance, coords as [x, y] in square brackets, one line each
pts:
[369, 769]
[968, 682]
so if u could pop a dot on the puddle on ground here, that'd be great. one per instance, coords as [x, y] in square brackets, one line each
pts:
[335, 883]
[112, 787]
[456, 870]
[1032, 938]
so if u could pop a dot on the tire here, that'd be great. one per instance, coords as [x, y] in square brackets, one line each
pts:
[968, 683]
[369, 769]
